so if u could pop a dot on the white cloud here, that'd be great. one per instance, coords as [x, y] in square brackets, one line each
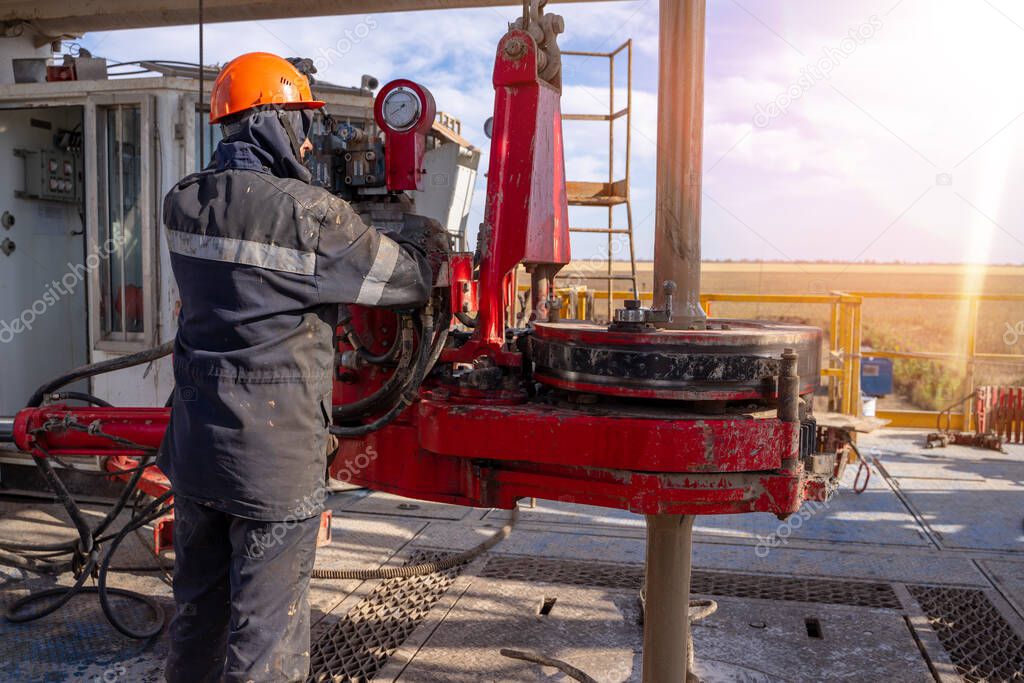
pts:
[934, 91]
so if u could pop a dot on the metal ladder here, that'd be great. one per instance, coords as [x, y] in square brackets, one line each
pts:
[614, 192]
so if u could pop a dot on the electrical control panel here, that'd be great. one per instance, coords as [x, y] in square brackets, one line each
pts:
[50, 175]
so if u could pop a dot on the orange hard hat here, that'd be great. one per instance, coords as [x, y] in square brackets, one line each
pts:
[257, 79]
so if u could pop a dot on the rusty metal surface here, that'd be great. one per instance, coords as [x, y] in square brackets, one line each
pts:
[731, 584]
[359, 645]
[731, 360]
[981, 643]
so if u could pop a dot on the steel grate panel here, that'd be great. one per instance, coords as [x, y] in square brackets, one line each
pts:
[357, 647]
[629, 577]
[981, 643]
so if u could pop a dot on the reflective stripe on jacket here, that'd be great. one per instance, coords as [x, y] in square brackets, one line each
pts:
[261, 264]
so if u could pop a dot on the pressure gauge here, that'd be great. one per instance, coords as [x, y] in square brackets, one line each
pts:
[402, 108]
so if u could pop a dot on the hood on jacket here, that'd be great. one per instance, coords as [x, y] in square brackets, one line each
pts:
[260, 142]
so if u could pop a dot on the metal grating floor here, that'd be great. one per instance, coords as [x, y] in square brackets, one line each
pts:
[980, 642]
[355, 648]
[855, 593]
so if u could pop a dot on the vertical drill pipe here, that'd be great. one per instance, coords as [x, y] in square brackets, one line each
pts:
[676, 258]
[666, 608]
[680, 154]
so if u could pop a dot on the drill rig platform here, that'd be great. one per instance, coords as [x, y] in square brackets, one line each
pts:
[897, 583]
[659, 418]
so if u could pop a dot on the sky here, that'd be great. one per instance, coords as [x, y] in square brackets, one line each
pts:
[862, 130]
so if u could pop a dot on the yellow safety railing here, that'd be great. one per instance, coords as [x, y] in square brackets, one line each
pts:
[846, 331]
[845, 334]
[846, 353]
[968, 356]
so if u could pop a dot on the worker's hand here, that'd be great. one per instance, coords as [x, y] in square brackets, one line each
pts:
[428, 238]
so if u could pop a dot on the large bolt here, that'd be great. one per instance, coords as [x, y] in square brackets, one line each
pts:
[789, 387]
[515, 48]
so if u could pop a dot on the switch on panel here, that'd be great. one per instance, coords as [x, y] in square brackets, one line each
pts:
[49, 175]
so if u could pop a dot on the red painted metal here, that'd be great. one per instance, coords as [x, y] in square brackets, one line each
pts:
[35, 427]
[488, 443]
[526, 217]
[46, 432]
[463, 285]
[549, 435]
[453, 450]
[400, 465]
[404, 149]
[1000, 411]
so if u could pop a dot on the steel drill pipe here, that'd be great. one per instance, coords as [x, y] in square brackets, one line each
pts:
[680, 155]
[676, 259]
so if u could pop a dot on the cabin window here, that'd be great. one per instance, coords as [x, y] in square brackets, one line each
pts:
[121, 223]
[213, 136]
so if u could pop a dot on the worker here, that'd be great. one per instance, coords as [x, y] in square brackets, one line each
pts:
[262, 260]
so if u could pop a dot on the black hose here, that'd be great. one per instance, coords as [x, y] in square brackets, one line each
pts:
[409, 391]
[85, 551]
[393, 384]
[93, 369]
[357, 344]
[14, 612]
[149, 513]
[79, 396]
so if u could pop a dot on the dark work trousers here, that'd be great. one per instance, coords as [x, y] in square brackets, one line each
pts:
[242, 593]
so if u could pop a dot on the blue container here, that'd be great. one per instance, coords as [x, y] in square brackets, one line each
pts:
[876, 376]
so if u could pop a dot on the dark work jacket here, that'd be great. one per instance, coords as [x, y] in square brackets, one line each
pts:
[261, 263]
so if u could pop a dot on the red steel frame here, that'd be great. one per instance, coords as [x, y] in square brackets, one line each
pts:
[488, 449]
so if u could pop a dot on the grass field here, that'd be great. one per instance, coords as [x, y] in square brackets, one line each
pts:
[904, 325]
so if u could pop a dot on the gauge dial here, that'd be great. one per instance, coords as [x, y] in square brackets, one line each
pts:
[402, 109]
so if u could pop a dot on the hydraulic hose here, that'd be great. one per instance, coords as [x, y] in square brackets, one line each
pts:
[102, 367]
[438, 334]
[353, 339]
[80, 396]
[149, 513]
[85, 551]
[394, 383]
[408, 394]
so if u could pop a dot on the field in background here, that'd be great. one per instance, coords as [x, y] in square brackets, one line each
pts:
[932, 326]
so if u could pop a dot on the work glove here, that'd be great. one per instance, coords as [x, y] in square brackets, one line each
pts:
[425, 238]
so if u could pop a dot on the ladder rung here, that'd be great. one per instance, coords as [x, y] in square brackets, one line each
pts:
[596, 194]
[602, 231]
[596, 117]
[596, 201]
